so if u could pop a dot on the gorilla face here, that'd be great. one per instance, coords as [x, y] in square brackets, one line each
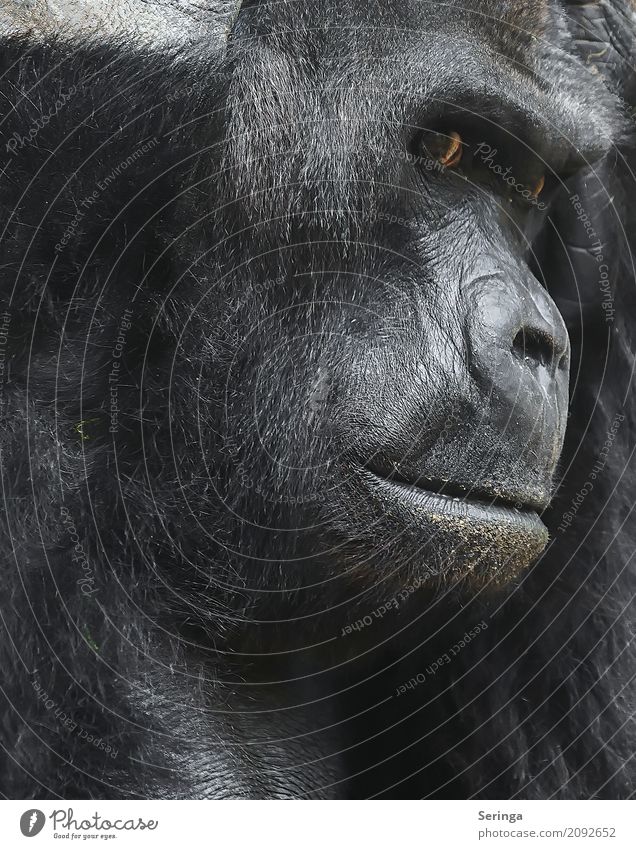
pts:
[398, 400]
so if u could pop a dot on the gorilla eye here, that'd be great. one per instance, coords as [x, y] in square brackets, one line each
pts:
[445, 148]
[536, 190]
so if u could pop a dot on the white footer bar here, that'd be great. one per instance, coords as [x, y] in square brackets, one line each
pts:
[319, 825]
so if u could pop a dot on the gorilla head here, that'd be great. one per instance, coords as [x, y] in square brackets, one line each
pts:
[391, 375]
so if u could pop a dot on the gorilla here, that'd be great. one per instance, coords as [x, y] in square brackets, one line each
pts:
[316, 360]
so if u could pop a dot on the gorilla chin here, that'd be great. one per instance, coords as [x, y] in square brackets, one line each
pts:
[434, 528]
[474, 536]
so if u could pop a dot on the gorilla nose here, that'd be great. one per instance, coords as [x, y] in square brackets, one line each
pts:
[519, 349]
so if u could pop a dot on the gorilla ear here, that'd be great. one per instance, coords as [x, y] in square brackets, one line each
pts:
[604, 33]
[150, 23]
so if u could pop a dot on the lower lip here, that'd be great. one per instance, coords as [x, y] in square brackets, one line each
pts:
[446, 507]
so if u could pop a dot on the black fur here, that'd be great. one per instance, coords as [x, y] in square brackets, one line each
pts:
[181, 564]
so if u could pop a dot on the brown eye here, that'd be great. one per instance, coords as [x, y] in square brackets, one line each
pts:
[536, 190]
[445, 148]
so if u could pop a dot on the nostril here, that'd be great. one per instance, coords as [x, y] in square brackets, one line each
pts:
[537, 348]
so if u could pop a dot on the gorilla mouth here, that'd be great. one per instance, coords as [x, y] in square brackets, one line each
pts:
[449, 500]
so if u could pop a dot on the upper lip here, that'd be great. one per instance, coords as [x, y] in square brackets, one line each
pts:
[481, 494]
